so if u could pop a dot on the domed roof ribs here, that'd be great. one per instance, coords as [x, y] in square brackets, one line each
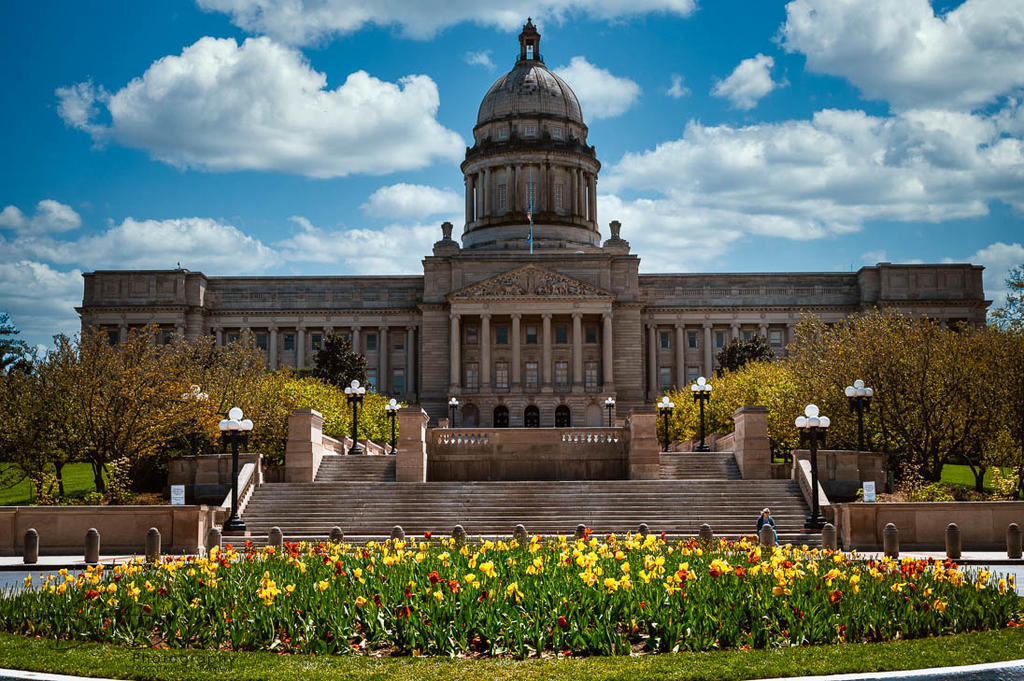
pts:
[529, 43]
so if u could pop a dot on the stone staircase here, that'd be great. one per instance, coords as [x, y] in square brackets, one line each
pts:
[338, 468]
[676, 507]
[699, 466]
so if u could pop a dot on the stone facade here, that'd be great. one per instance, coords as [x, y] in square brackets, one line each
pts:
[523, 333]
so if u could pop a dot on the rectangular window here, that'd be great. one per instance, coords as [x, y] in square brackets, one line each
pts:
[113, 336]
[371, 380]
[316, 340]
[775, 338]
[719, 339]
[665, 339]
[531, 335]
[472, 376]
[691, 339]
[289, 341]
[371, 342]
[559, 188]
[590, 375]
[530, 131]
[531, 375]
[398, 381]
[165, 338]
[503, 134]
[557, 133]
[472, 335]
[502, 198]
[562, 374]
[501, 375]
[692, 374]
[501, 335]
[665, 377]
[561, 334]
[261, 341]
[747, 335]
[590, 333]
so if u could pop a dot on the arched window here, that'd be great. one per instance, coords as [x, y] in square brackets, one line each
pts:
[563, 419]
[531, 417]
[501, 416]
[470, 416]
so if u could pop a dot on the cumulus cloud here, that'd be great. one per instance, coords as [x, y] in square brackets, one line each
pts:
[601, 94]
[901, 52]
[998, 258]
[301, 22]
[408, 201]
[479, 59]
[40, 299]
[50, 216]
[221, 106]
[677, 90]
[748, 83]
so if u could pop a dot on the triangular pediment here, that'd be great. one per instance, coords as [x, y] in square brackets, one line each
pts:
[529, 281]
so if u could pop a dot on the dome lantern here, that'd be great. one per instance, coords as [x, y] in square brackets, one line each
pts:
[529, 43]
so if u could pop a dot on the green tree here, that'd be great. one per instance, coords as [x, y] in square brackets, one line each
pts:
[737, 353]
[14, 352]
[337, 363]
[1011, 314]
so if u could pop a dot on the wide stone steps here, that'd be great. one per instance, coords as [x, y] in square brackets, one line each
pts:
[337, 468]
[699, 466]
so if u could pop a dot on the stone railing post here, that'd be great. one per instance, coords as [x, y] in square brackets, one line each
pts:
[828, 537]
[953, 541]
[92, 546]
[891, 541]
[305, 447]
[31, 554]
[411, 460]
[751, 447]
[1013, 541]
[644, 450]
[153, 545]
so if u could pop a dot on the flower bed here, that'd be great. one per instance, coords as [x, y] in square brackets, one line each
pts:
[436, 597]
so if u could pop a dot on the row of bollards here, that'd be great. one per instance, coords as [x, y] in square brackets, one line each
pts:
[954, 541]
[92, 546]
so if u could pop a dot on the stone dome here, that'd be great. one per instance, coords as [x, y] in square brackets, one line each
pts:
[529, 89]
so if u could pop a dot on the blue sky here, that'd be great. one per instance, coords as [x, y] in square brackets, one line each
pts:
[240, 137]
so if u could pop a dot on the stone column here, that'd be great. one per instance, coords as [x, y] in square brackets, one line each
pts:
[456, 354]
[272, 348]
[410, 361]
[546, 351]
[592, 207]
[300, 347]
[577, 352]
[383, 379]
[709, 356]
[179, 329]
[486, 201]
[581, 194]
[469, 199]
[542, 188]
[607, 358]
[516, 363]
[122, 333]
[680, 356]
[485, 352]
[762, 330]
[735, 328]
[573, 209]
[652, 361]
[356, 347]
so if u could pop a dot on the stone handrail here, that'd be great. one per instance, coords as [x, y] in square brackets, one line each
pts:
[590, 438]
[247, 481]
[802, 474]
[333, 446]
[342, 446]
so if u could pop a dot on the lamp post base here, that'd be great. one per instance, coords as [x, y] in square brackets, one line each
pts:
[234, 524]
[814, 523]
[393, 451]
[702, 448]
[355, 450]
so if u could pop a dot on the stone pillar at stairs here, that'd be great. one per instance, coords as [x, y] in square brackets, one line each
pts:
[644, 449]
[305, 447]
[411, 461]
[752, 449]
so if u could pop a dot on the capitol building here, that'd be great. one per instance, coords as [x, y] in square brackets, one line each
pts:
[533, 333]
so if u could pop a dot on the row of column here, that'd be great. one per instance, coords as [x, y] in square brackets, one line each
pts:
[580, 199]
[546, 355]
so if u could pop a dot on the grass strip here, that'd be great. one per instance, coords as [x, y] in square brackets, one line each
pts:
[145, 664]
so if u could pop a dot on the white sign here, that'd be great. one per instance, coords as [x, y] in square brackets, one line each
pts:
[177, 495]
[869, 490]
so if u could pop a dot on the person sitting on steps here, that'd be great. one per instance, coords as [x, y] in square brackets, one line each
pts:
[766, 518]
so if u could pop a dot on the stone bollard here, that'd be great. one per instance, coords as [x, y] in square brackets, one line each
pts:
[891, 541]
[519, 534]
[767, 536]
[275, 538]
[459, 535]
[1013, 541]
[31, 546]
[337, 536]
[153, 545]
[706, 534]
[581, 531]
[953, 543]
[828, 537]
[212, 539]
[643, 530]
[397, 533]
[92, 546]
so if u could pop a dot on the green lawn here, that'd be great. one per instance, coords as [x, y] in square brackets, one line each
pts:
[960, 474]
[146, 664]
[77, 482]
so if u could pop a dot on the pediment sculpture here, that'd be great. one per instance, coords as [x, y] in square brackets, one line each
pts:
[530, 281]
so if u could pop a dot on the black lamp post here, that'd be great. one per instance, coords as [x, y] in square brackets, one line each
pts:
[391, 409]
[812, 429]
[609, 404]
[235, 431]
[665, 408]
[354, 394]
[701, 393]
[859, 399]
[453, 404]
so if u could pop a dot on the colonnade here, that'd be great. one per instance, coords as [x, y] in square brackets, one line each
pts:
[579, 199]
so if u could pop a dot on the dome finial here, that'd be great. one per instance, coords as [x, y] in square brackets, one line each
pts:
[529, 42]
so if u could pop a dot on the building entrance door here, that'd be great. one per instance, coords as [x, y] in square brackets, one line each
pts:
[501, 417]
[563, 419]
[531, 417]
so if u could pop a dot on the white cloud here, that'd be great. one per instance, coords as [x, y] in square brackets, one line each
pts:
[40, 299]
[221, 106]
[748, 83]
[409, 201]
[677, 89]
[901, 52]
[601, 94]
[479, 59]
[302, 22]
[998, 258]
[50, 216]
